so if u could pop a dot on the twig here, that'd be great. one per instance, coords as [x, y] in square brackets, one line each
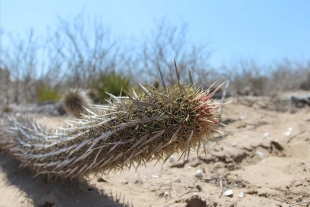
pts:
[292, 137]
[295, 204]
[223, 97]
[221, 186]
[221, 183]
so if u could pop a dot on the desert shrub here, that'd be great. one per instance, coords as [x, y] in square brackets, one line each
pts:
[246, 75]
[259, 85]
[112, 83]
[48, 93]
[305, 85]
[250, 78]
[287, 75]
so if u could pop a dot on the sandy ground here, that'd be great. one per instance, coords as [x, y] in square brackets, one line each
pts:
[263, 159]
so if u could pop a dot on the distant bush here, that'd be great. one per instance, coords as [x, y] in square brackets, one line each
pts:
[112, 83]
[48, 93]
[305, 85]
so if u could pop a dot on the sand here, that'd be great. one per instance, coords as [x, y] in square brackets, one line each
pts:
[263, 159]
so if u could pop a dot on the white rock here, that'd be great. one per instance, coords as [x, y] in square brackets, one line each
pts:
[260, 154]
[171, 159]
[234, 144]
[288, 133]
[290, 129]
[199, 174]
[228, 193]
[266, 135]
[241, 195]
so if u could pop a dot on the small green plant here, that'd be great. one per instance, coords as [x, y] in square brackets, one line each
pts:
[111, 83]
[48, 93]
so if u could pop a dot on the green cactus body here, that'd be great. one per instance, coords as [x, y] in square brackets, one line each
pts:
[128, 132]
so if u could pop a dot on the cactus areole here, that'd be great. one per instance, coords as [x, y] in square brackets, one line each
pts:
[128, 132]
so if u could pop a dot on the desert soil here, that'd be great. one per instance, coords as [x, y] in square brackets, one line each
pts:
[263, 159]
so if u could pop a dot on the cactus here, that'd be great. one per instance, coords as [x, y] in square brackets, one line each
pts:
[76, 103]
[128, 132]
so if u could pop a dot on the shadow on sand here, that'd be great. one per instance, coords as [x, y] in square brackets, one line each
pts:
[55, 193]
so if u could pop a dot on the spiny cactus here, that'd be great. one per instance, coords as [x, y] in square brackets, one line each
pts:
[76, 103]
[128, 132]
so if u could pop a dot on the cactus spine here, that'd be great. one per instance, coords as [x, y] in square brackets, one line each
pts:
[128, 132]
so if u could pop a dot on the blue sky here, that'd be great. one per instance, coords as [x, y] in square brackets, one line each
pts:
[262, 30]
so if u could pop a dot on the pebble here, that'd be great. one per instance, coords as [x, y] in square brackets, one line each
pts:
[288, 132]
[228, 193]
[241, 195]
[260, 154]
[198, 174]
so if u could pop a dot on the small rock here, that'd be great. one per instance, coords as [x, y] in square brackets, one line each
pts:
[241, 195]
[228, 193]
[260, 154]
[163, 194]
[198, 187]
[288, 133]
[199, 174]
[266, 135]
[171, 159]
